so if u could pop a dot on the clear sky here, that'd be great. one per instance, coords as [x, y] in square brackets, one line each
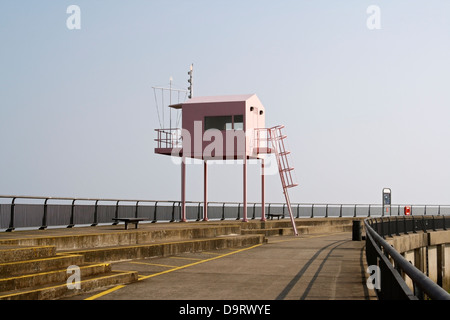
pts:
[363, 108]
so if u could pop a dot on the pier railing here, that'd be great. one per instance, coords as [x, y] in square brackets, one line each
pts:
[392, 266]
[43, 212]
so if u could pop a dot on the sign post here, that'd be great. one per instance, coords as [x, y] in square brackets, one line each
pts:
[386, 202]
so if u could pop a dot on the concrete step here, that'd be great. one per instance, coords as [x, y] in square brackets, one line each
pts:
[24, 267]
[11, 253]
[269, 232]
[304, 226]
[110, 236]
[167, 248]
[59, 290]
[56, 276]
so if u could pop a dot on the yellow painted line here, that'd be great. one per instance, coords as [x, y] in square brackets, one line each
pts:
[59, 286]
[185, 258]
[36, 260]
[25, 248]
[201, 261]
[51, 272]
[177, 268]
[101, 294]
[307, 237]
[107, 233]
[138, 246]
[51, 237]
[153, 264]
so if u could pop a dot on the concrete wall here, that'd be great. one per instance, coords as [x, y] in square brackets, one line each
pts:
[429, 252]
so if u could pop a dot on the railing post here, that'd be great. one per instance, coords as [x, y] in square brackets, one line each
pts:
[116, 214]
[254, 211]
[44, 218]
[326, 211]
[173, 212]
[354, 212]
[223, 212]
[298, 210]
[136, 209]
[405, 231]
[72, 212]
[284, 206]
[312, 211]
[389, 227]
[95, 223]
[11, 219]
[418, 291]
[340, 212]
[368, 211]
[198, 211]
[239, 212]
[396, 226]
[154, 212]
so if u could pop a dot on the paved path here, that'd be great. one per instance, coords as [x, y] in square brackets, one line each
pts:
[320, 266]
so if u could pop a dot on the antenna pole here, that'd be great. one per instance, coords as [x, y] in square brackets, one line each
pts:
[170, 103]
[191, 83]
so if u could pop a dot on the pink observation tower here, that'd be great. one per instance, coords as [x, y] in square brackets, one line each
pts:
[225, 128]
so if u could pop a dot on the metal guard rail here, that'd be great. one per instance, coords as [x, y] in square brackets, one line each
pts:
[174, 206]
[380, 252]
[169, 210]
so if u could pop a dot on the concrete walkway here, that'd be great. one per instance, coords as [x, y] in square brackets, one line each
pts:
[308, 267]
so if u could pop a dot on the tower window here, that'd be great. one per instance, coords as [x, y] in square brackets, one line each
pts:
[219, 122]
[235, 122]
[238, 122]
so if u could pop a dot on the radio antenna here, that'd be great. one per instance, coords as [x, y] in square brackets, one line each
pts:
[191, 82]
[160, 92]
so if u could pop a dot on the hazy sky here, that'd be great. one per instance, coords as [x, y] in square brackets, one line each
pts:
[363, 108]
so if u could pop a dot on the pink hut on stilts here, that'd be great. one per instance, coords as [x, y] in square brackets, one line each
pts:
[226, 128]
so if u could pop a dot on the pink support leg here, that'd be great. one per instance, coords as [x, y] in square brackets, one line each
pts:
[245, 190]
[263, 203]
[205, 191]
[183, 189]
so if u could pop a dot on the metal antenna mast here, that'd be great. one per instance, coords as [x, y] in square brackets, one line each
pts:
[191, 82]
[170, 90]
[170, 102]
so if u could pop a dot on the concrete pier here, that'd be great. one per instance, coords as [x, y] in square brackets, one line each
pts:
[309, 267]
[259, 260]
[429, 252]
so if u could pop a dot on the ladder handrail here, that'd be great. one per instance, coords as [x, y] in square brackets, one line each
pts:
[276, 139]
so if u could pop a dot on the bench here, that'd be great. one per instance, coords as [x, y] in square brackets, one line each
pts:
[130, 220]
[272, 215]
